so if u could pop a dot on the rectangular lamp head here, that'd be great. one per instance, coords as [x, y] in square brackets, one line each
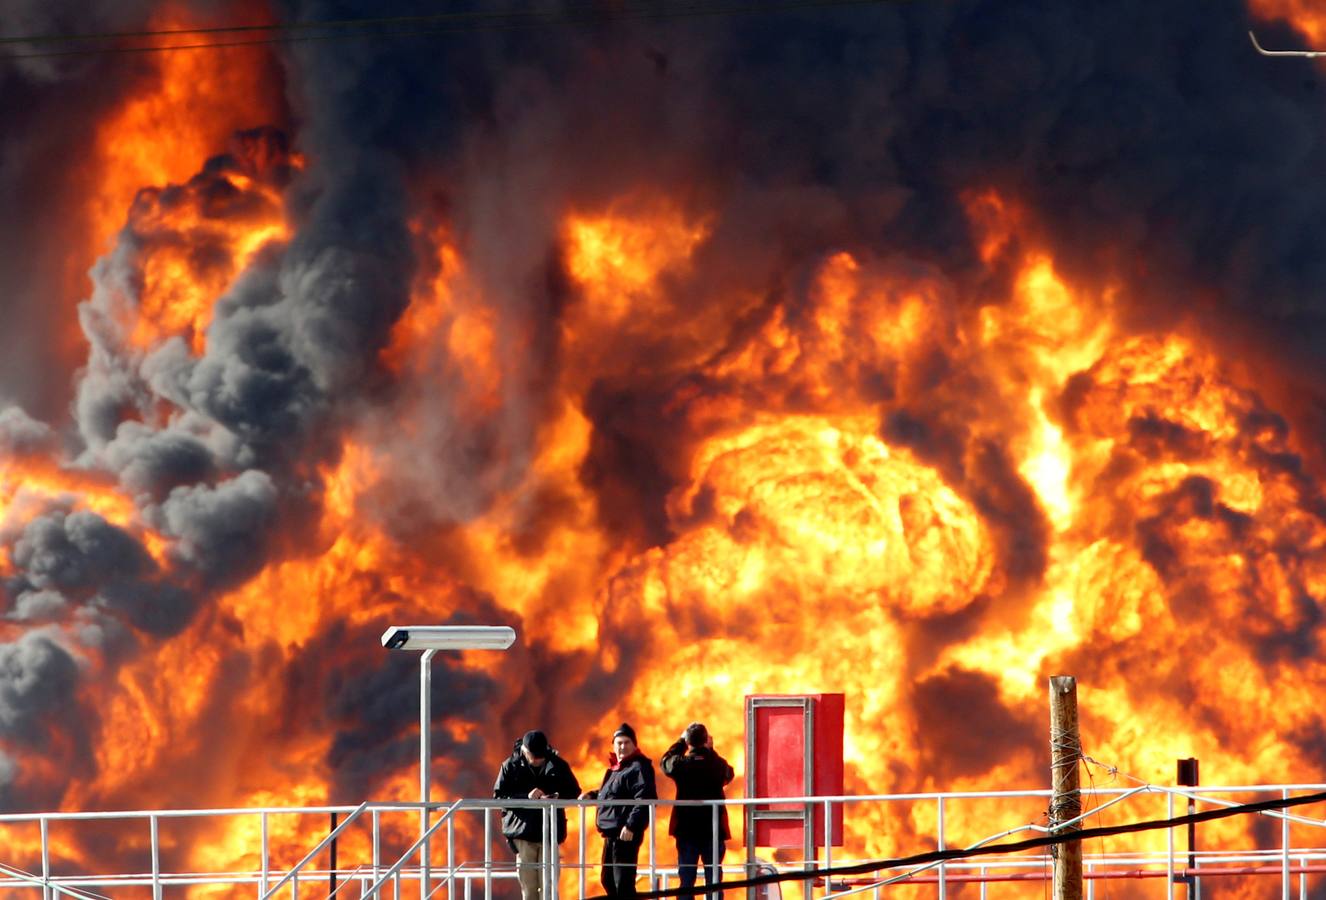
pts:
[448, 637]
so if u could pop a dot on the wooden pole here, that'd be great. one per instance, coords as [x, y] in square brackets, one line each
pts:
[1066, 804]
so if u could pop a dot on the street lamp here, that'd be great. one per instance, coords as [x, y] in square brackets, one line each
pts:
[430, 639]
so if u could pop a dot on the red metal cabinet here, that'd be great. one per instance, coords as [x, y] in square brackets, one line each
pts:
[794, 748]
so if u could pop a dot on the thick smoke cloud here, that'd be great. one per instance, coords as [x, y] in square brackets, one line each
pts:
[222, 531]
[81, 559]
[36, 675]
[22, 435]
[40, 713]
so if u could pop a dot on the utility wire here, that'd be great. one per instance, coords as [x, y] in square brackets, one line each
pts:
[447, 23]
[936, 856]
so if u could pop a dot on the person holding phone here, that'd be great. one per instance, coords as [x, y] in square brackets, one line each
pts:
[534, 771]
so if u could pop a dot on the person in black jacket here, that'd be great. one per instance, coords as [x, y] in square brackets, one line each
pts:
[534, 771]
[700, 774]
[630, 776]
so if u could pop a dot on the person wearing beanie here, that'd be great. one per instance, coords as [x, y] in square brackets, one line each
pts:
[630, 776]
[700, 774]
[534, 771]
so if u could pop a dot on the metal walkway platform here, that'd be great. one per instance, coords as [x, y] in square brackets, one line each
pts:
[376, 849]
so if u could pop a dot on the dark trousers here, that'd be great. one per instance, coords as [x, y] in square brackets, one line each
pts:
[689, 852]
[619, 861]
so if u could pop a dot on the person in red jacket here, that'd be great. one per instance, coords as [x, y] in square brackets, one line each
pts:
[700, 774]
[630, 776]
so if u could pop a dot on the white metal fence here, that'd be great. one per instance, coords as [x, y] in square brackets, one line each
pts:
[378, 849]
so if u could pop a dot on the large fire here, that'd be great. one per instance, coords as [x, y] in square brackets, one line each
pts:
[856, 476]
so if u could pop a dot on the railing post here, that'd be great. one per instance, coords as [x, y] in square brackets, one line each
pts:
[943, 870]
[331, 877]
[45, 858]
[653, 834]
[1169, 856]
[377, 844]
[713, 848]
[262, 878]
[156, 859]
[425, 762]
[451, 858]
[488, 854]
[1285, 880]
[581, 861]
[828, 846]
[549, 853]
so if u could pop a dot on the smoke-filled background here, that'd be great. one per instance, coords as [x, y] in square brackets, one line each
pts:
[911, 350]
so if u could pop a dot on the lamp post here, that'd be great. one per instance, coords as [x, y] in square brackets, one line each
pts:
[430, 639]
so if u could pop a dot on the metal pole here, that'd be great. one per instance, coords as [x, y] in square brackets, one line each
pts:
[45, 859]
[425, 760]
[545, 852]
[748, 810]
[828, 845]
[1066, 804]
[331, 873]
[451, 858]
[156, 860]
[717, 867]
[580, 838]
[653, 878]
[487, 854]
[377, 844]
[809, 849]
[1284, 838]
[262, 881]
[1169, 837]
[943, 872]
[555, 848]
[1188, 777]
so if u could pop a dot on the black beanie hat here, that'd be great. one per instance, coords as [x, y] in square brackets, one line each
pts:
[625, 730]
[536, 742]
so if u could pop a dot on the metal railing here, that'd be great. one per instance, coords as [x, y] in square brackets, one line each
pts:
[232, 851]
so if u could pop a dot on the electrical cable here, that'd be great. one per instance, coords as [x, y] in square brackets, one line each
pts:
[450, 23]
[935, 856]
[1091, 777]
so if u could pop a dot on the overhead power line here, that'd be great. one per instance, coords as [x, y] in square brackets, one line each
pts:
[104, 43]
[936, 856]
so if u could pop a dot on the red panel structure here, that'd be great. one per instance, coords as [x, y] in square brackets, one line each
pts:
[794, 748]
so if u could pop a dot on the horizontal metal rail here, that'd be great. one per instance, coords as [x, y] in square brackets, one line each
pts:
[479, 874]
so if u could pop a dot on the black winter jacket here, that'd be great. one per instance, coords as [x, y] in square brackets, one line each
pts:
[517, 778]
[701, 774]
[631, 779]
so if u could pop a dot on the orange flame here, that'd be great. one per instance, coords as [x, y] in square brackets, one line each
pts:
[851, 475]
[1305, 16]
